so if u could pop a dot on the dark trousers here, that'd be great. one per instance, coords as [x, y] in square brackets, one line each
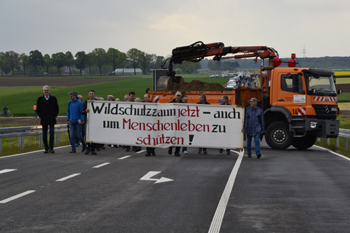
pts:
[177, 150]
[52, 136]
[150, 150]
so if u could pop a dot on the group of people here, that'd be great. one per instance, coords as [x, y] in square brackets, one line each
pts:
[47, 109]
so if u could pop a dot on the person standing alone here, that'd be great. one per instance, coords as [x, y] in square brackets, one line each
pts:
[253, 126]
[47, 109]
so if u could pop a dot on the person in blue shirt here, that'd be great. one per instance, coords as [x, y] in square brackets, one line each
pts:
[253, 126]
[75, 120]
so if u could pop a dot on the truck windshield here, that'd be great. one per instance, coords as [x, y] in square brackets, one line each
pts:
[321, 85]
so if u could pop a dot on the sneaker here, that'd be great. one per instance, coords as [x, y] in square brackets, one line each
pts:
[87, 152]
[258, 156]
[51, 151]
[221, 150]
[185, 152]
[93, 153]
[83, 149]
[46, 151]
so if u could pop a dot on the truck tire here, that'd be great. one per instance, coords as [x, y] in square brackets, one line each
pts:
[278, 135]
[304, 143]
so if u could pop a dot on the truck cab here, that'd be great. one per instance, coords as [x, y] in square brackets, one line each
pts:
[301, 106]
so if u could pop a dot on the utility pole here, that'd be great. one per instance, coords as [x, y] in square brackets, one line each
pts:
[304, 52]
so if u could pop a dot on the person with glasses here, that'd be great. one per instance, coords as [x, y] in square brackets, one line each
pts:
[47, 109]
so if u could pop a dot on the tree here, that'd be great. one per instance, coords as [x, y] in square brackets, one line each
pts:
[69, 61]
[58, 60]
[11, 59]
[188, 67]
[112, 56]
[144, 60]
[81, 61]
[36, 59]
[24, 62]
[2, 63]
[121, 60]
[99, 57]
[90, 61]
[47, 62]
[214, 65]
[133, 55]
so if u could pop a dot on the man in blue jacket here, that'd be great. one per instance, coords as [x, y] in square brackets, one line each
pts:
[75, 120]
[253, 126]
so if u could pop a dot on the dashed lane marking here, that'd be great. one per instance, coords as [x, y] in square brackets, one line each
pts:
[141, 151]
[101, 165]
[7, 170]
[16, 196]
[68, 177]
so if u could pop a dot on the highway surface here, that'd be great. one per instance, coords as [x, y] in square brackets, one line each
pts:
[119, 191]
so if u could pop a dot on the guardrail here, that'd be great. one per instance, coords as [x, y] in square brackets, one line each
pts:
[343, 133]
[12, 132]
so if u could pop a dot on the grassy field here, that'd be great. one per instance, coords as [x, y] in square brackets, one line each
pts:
[20, 100]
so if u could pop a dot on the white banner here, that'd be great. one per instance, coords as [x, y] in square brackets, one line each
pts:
[164, 125]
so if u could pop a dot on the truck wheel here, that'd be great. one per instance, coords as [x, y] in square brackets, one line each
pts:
[304, 142]
[278, 135]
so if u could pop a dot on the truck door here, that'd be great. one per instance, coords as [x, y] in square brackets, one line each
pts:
[292, 95]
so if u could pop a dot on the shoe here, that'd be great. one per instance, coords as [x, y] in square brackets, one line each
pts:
[87, 152]
[51, 151]
[185, 152]
[170, 151]
[228, 152]
[148, 154]
[153, 154]
[258, 156]
[199, 151]
[72, 151]
[46, 151]
[84, 148]
[177, 154]
[221, 150]
[93, 153]
[249, 156]
[205, 152]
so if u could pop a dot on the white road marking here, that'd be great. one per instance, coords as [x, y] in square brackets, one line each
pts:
[68, 177]
[141, 151]
[220, 210]
[101, 165]
[153, 173]
[125, 157]
[16, 196]
[7, 170]
[340, 155]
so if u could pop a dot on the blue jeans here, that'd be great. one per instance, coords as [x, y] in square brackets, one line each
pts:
[75, 132]
[256, 141]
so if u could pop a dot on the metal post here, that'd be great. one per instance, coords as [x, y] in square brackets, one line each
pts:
[337, 142]
[40, 140]
[22, 142]
[328, 141]
[57, 138]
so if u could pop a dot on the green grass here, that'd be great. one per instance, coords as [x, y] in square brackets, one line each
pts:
[20, 100]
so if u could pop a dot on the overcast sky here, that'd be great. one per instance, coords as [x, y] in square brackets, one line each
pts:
[158, 26]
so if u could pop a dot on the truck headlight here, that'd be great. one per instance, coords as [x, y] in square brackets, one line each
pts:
[313, 125]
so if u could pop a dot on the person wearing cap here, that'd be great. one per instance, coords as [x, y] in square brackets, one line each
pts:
[253, 126]
[224, 101]
[75, 119]
[202, 100]
[177, 99]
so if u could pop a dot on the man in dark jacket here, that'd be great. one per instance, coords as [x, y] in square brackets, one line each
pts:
[202, 100]
[253, 126]
[224, 101]
[177, 99]
[91, 147]
[47, 109]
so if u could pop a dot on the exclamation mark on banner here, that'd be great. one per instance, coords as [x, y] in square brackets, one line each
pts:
[191, 138]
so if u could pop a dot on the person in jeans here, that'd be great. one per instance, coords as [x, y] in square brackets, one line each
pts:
[91, 147]
[202, 100]
[75, 120]
[47, 109]
[253, 126]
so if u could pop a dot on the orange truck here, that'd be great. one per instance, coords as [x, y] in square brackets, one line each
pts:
[300, 104]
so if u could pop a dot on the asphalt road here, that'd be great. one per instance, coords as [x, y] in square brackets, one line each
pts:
[114, 191]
